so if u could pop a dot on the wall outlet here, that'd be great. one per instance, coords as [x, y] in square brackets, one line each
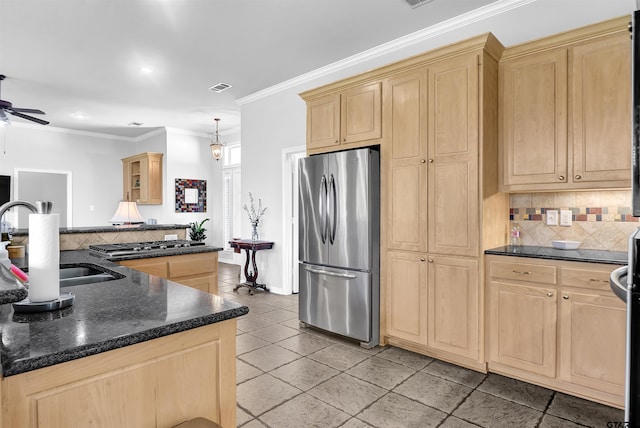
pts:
[552, 217]
[565, 218]
[171, 237]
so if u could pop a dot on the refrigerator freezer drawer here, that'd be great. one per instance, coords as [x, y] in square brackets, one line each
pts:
[337, 300]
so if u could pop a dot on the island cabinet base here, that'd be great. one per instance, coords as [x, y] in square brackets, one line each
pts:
[159, 383]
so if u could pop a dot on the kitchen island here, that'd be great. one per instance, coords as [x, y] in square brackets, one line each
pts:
[137, 351]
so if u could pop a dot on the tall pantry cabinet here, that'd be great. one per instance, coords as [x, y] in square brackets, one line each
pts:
[441, 205]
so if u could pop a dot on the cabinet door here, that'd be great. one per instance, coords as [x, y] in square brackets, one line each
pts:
[602, 111]
[407, 297]
[454, 306]
[208, 284]
[99, 401]
[453, 157]
[522, 330]
[533, 112]
[154, 179]
[323, 122]
[406, 119]
[592, 338]
[157, 267]
[361, 113]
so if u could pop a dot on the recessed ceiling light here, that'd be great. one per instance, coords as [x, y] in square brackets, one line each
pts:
[135, 124]
[146, 70]
[79, 116]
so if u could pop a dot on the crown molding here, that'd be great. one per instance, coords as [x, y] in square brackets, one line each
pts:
[482, 13]
[58, 130]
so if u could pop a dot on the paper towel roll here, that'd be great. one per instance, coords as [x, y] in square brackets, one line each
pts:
[44, 257]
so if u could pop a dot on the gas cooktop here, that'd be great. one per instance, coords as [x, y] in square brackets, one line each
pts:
[130, 248]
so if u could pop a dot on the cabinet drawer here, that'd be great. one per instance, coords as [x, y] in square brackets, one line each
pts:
[197, 264]
[588, 278]
[157, 268]
[545, 274]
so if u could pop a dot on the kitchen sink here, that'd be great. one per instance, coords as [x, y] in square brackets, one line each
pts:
[85, 275]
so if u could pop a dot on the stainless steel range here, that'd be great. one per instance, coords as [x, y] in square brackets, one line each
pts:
[135, 248]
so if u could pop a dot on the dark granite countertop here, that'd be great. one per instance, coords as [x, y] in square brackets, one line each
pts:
[591, 256]
[105, 316]
[101, 229]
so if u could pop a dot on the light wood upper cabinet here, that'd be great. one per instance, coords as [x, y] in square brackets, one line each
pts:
[534, 118]
[406, 119]
[453, 157]
[323, 122]
[565, 111]
[601, 89]
[345, 119]
[142, 178]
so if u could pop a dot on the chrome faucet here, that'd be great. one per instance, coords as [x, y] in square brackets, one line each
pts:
[40, 207]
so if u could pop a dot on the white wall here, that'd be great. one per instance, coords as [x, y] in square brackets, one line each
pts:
[94, 162]
[96, 166]
[277, 121]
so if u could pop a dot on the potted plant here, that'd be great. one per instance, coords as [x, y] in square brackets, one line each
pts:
[197, 231]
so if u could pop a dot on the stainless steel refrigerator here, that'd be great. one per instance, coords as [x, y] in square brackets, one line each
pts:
[339, 247]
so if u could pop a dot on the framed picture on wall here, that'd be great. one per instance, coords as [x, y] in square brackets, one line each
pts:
[191, 195]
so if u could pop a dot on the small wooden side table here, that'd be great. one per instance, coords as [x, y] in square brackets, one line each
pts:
[250, 247]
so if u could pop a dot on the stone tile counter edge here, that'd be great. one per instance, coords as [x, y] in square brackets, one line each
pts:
[106, 316]
[549, 253]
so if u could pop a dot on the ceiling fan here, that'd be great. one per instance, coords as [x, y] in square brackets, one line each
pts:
[6, 107]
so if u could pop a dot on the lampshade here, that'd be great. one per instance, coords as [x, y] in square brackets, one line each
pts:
[127, 213]
[216, 146]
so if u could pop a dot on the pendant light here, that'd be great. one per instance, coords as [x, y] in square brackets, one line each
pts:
[216, 146]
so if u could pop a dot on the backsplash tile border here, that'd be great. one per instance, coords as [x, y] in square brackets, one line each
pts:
[601, 220]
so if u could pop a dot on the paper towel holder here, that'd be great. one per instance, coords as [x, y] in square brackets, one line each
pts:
[27, 306]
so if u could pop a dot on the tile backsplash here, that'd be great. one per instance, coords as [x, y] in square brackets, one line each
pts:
[600, 220]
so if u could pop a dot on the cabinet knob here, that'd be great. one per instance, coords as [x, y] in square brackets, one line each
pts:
[565, 297]
[335, 141]
[422, 259]
[561, 178]
[430, 260]
[422, 160]
[344, 140]
[549, 294]
[578, 176]
[430, 160]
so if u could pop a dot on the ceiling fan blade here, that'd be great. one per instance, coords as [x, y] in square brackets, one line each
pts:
[24, 116]
[27, 110]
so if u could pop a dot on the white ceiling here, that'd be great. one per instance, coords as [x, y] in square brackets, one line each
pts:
[84, 56]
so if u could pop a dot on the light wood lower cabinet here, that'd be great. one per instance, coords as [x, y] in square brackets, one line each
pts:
[557, 324]
[199, 270]
[435, 306]
[159, 383]
[523, 327]
[406, 301]
[454, 306]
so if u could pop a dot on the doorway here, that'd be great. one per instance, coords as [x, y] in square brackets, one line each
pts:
[290, 159]
[42, 185]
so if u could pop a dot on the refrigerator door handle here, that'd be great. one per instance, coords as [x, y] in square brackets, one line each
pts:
[323, 211]
[326, 272]
[332, 209]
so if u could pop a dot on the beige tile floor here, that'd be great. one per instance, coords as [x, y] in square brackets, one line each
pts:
[289, 376]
